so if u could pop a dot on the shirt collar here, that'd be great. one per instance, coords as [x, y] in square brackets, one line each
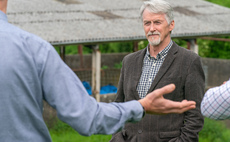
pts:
[161, 54]
[3, 16]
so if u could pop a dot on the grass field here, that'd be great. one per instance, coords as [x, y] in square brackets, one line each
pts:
[62, 132]
[75, 137]
[213, 131]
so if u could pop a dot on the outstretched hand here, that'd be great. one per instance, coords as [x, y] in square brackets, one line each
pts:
[155, 103]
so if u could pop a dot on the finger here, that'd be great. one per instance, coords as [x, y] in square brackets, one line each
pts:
[185, 102]
[175, 107]
[175, 110]
[178, 105]
[165, 90]
[181, 110]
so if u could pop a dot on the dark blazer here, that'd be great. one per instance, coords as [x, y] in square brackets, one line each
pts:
[181, 67]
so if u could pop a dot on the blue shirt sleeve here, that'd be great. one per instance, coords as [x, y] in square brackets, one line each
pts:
[64, 91]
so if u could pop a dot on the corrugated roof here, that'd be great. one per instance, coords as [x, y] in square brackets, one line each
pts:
[93, 21]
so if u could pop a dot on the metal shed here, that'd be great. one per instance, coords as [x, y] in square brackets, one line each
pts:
[66, 22]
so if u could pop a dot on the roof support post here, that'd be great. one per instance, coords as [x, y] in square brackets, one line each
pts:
[192, 45]
[62, 52]
[135, 47]
[96, 72]
[80, 53]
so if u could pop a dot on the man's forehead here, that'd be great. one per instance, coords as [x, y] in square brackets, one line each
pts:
[154, 17]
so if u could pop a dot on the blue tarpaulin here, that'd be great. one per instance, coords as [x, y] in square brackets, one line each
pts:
[108, 89]
[87, 87]
[104, 89]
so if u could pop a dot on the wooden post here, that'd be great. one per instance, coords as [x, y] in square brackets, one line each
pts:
[135, 46]
[80, 53]
[96, 72]
[62, 52]
[193, 46]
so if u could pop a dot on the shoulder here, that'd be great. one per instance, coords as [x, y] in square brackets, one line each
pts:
[183, 52]
[25, 37]
[134, 55]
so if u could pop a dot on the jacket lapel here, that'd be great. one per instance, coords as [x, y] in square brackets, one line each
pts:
[164, 67]
[138, 61]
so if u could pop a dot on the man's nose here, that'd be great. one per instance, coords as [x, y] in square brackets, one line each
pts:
[152, 27]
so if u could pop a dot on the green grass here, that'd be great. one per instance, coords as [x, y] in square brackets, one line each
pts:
[75, 137]
[62, 132]
[213, 131]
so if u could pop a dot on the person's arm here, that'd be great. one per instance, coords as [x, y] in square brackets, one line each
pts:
[216, 102]
[154, 102]
[65, 92]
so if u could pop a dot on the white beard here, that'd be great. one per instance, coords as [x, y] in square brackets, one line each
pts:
[154, 42]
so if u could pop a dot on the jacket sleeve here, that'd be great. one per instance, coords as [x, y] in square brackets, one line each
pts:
[194, 90]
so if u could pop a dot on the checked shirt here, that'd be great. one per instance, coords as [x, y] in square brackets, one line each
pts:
[150, 68]
[216, 102]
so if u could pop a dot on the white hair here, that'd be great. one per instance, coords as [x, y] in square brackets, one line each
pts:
[158, 6]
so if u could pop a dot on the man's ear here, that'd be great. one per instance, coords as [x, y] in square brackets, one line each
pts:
[171, 26]
[3, 5]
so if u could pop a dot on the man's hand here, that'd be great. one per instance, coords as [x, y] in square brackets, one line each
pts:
[155, 103]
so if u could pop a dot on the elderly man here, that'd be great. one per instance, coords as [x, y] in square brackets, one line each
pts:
[160, 63]
[31, 71]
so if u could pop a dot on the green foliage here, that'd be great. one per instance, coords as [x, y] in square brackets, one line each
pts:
[225, 3]
[118, 65]
[87, 50]
[104, 67]
[116, 47]
[61, 132]
[214, 131]
[57, 49]
[180, 42]
[207, 48]
[73, 49]
[142, 44]
[214, 49]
